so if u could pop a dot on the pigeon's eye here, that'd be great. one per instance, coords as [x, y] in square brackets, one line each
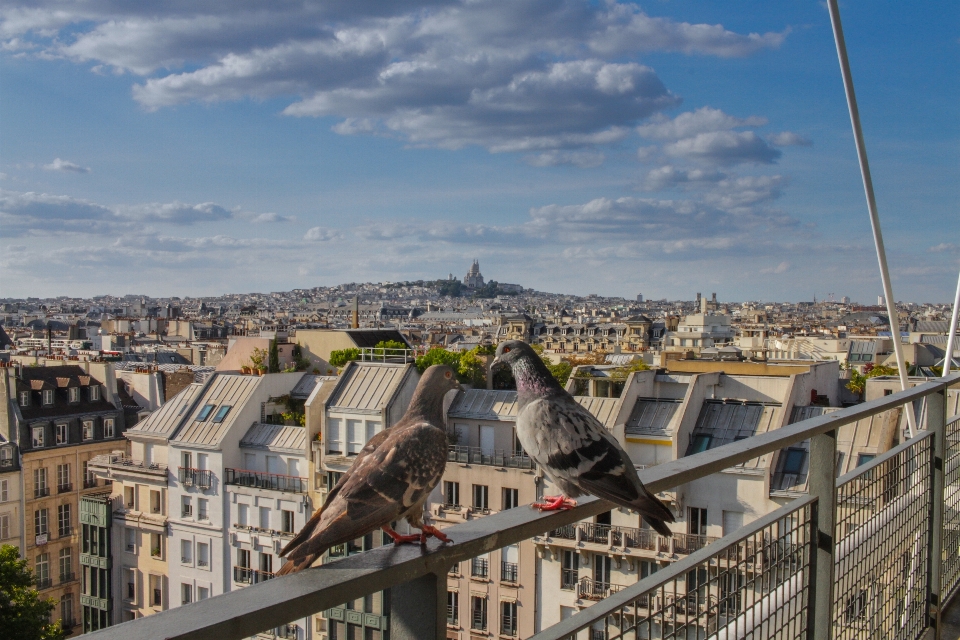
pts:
[506, 349]
[448, 375]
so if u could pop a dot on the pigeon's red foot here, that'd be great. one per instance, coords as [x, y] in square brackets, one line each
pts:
[429, 530]
[399, 538]
[555, 503]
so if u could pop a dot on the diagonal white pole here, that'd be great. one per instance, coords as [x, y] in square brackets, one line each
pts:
[871, 203]
[948, 357]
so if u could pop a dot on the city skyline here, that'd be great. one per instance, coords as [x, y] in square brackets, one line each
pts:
[586, 148]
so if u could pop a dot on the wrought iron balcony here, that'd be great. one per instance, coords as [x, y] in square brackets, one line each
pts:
[258, 480]
[479, 568]
[869, 554]
[508, 572]
[589, 589]
[190, 477]
[65, 487]
[493, 458]
[41, 492]
[246, 575]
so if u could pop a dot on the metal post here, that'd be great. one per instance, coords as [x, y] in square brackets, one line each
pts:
[871, 199]
[936, 424]
[822, 482]
[948, 358]
[418, 609]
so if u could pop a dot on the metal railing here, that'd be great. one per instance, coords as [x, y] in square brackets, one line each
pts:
[508, 572]
[780, 576]
[44, 583]
[246, 575]
[381, 354]
[124, 461]
[479, 568]
[494, 458]
[589, 589]
[190, 477]
[259, 480]
[65, 488]
[41, 492]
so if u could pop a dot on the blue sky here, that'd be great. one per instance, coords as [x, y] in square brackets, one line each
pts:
[583, 147]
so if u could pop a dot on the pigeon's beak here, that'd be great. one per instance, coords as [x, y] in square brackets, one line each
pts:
[497, 364]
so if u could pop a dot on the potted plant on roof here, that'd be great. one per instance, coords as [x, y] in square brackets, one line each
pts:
[258, 359]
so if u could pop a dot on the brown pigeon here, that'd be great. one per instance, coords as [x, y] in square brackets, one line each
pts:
[571, 446]
[391, 479]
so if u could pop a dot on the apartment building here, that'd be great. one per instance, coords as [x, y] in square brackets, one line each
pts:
[11, 495]
[139, 476]
[59, 417]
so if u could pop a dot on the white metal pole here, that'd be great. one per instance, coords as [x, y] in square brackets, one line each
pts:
[871, 202]
[948, 357]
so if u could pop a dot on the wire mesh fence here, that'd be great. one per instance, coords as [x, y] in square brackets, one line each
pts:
[950, 574]
[883, 532]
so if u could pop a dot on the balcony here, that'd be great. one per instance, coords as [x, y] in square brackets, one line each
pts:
[508, 572]
[863, 555]
[89, 483]
[44, 583]
[493, 458]
[479, 568]
[190, 477]
[67, 577]
[246, 575]
[258, 480]
[41, 492]
[588, 589]
[65, 488]
[126, 463]
[625, 537]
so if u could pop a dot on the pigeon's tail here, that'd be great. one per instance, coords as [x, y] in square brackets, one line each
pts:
[299, 563]
[654, 512]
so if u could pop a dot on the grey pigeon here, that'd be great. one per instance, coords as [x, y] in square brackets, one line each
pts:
[391, 479]
[571, 446]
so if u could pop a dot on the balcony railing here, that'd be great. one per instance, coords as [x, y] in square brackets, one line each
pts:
[568, 579]
[122, 461]
[258, 480]
[89, 483]
[44, 583]
[41, 492]
[190, 477]
[589, 589]
[494, 458]
[799, 571]
[65, 488]
[508, 572]
[246, 575]
[67, 577]
[479, 568]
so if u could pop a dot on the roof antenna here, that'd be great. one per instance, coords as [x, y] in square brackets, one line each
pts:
[871, 203]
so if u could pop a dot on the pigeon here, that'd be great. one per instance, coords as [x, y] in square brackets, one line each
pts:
[391, 479]
[571, 446]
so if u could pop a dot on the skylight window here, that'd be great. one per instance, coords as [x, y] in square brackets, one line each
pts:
[700, 443]
[205, 412]
[222, 413]
[793, 462]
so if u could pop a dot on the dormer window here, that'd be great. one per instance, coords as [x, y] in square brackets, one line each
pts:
[37, 433]
[24, 398]
[108, 427]
[205, 412]
[74, 394]
[48, 397]
[94, 392]
[88, 429]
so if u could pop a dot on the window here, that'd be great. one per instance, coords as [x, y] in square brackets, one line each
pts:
[155, 504]
[864, 458]
[697, 523]
[88, 429]
[156, 546]
[66, 565]
[451, 493]
[42, 569]
[511, 498]
[243, 558]
[131, 578]
[128, 497]
[108, 427]
[480, 566]
[286, 521]
[37, 437]
[480, 497]
[4, 495]
[94, 392]
[334, 437]
[186, 593]
[202, 509]
[264, 517]
[856, 609]
[203, 593]
[243, 515]
[47, 396]
[4, 526]
[63, 477]
[508, 618]
[24, 398]
[354, 437]
[453, 607]
[478, 613]
[186, 507]
[700, 443]
[186, 552]
[62, 437]
[89, 480]
[793, 461]
[509, 557]
[186, 460]
[40, 488]
[66, 610]
[74, 394]
[222, 413]
[203, 554]
[205, 412]
[63, 520]
[130, 539]
[156, 591]
[266, 562]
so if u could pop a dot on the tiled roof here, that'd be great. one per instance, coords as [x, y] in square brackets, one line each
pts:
[367, 387]
[276, 437]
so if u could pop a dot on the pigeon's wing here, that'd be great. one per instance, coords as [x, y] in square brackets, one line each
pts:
[381, 487]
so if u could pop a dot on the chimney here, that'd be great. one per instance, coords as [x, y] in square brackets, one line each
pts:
[356, 313]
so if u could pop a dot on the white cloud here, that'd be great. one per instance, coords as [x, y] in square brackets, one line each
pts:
[945, 247]
[724, 148]
[691, 123]
[175, 212]
[669, 176]
[271, 218]
[789, 139]
[783, 267]
[65, 165]
[321, 234]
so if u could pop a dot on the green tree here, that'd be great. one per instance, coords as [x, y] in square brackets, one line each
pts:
[472, 370]
[390, 348]
[560, 371]
[438, 355]
[858, 381]
[622, 373]
[23, 614]
[341, 357]
[274, 357]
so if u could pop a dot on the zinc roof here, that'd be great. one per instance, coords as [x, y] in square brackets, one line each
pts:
[164, 421]
[726, 421]
[484, 404]
[603, 409]
[224, 389]
[307, 383]
[367, 387]
[275, 437]
[652, 416]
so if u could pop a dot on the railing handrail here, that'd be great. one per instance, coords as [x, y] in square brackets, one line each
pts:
[246, 612]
